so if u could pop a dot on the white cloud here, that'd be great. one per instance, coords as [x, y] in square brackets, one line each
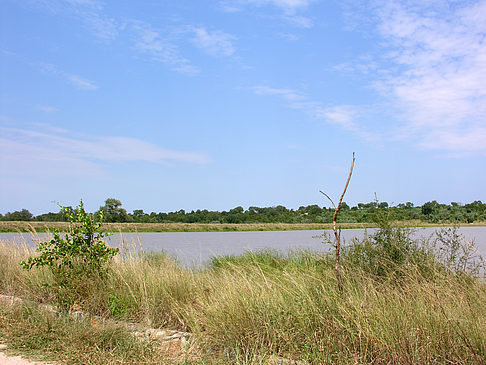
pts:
[24, 150]
[75, 80]
[343, 115]
[213, 42]
[439, 71]
[152, 42]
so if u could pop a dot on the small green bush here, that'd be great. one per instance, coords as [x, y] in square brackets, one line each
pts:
[392, 249]
[76, 259]
[389, 250]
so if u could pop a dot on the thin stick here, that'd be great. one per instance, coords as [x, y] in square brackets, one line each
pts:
[327, 196]
[337, 233]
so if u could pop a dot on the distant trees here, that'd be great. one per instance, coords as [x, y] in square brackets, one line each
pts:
[22, 215]
[361, 213]
[51, 217]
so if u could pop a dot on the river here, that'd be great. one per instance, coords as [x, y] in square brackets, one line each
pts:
[198, 247]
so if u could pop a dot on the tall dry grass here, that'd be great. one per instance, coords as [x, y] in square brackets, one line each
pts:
[245, 309]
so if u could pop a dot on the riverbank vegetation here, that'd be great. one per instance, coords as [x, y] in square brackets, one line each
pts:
[429, 213]
[401, 302]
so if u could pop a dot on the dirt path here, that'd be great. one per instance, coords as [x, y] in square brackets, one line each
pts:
[17, 360]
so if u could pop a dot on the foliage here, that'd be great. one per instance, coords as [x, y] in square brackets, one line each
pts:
[22, 215]
[429, 207]
[432, 212]
[113, 212]
[388, 250]
[76, 259]
[391, 248]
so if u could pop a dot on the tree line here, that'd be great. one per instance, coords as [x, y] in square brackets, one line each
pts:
[432, 211]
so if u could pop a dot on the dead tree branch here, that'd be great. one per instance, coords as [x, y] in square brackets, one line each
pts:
[337, 233]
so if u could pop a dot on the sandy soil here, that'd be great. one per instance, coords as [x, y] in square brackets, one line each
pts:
[17, 360]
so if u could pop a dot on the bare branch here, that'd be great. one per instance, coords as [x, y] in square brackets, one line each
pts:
[337, 233]
[327, 196]
[344, 191]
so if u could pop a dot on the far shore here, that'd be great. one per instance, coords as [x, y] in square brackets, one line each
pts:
[20, 226]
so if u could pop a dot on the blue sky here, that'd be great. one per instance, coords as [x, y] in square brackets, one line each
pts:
[170, 105]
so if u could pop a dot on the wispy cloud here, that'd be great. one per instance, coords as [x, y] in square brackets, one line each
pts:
[158, 46]
[287, 94]
[343, 115]
[104, 28]
[75, 80]
[24, 148]
[471, 140]
[80, 82]
[299, 21]
[288, 36]
[90, 12]
[365, 64]
[289, 8]
[438, 72]
[215, 43]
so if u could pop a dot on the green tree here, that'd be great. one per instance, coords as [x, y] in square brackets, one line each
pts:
[140, 216]
[429, 208]
[237, 210]
[382, 205]
[113, 212]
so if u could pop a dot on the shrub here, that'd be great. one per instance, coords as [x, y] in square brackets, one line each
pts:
[388, 250]
[76, 259]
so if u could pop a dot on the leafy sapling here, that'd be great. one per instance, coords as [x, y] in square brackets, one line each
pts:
[75, 258]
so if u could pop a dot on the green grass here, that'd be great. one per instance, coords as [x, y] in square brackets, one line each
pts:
[405, 309]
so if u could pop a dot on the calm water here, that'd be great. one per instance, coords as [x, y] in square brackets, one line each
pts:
[198, 247]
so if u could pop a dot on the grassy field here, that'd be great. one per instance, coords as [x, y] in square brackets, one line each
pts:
[400, 303]
[12, 226]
